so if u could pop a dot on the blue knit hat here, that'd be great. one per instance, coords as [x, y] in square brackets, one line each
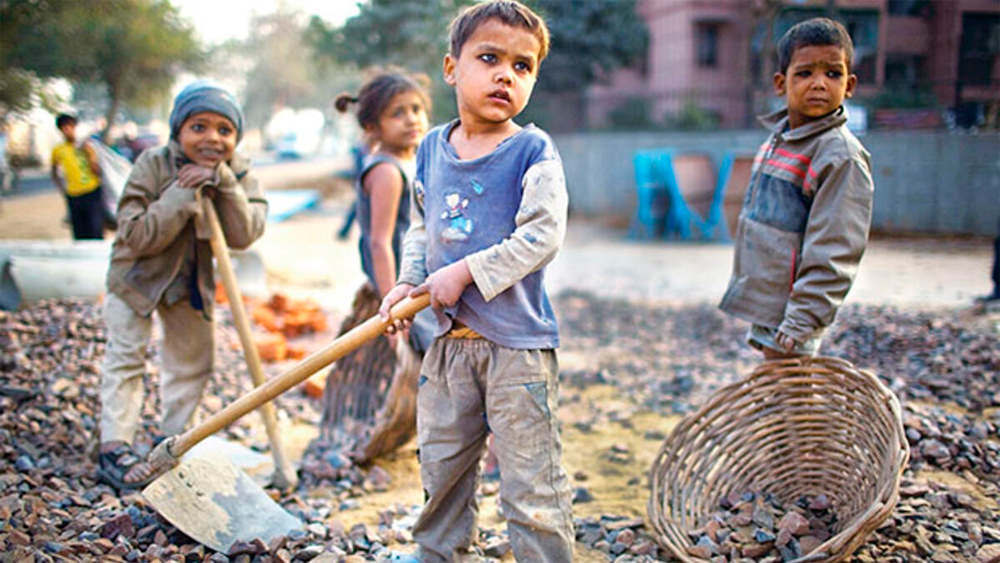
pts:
[205, 95]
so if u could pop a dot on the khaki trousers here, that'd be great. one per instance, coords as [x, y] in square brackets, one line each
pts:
[188, 354]
[467, 388]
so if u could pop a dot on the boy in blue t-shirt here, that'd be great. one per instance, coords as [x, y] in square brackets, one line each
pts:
[489, 212]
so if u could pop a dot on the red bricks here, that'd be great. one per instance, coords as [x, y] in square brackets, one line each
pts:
[271, 346]
[315, 385]
[281, 318]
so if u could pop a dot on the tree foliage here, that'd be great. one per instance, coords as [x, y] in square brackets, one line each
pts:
[589, 39]
[22, 90]
[412, 34]
[134, 48]
[281, 70]
[408, 33]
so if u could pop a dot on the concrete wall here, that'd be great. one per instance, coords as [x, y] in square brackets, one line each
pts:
[934, 182]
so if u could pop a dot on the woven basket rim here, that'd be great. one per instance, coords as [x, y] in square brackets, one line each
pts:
[791, 372]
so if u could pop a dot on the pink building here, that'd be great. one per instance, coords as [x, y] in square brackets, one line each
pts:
[714, 58]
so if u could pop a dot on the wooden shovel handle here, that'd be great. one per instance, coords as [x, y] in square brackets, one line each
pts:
[284, 476]
[332, 352]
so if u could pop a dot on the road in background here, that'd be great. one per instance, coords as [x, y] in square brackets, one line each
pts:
[37, 180]
[304, 256]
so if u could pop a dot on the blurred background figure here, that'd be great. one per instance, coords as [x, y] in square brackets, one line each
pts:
[392, 110]
[993, 298]
[8, 174]
[76, 171]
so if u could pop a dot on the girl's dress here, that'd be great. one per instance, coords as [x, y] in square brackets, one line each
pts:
[369, 406]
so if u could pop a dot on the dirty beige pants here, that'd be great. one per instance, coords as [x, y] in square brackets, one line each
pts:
[467, 388]
[188, 352]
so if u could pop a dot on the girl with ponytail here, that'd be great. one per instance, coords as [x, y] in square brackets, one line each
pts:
[392, 108]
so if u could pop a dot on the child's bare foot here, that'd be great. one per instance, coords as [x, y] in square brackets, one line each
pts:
[120, 467]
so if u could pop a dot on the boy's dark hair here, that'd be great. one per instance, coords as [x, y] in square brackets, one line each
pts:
[378, 92]
[815, 31]
[509, 12]
[65, 119]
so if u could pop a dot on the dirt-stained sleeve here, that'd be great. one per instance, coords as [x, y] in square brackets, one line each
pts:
[413, 263]
[148, 224]
[834, 241]
[540, 226]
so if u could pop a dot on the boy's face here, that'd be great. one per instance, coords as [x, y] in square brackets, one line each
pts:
[403, 122]
[69, 131]
[816, 83]
[495, 73]
[207, 139]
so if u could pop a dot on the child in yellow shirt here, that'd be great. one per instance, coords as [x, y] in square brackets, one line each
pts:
[80, 181]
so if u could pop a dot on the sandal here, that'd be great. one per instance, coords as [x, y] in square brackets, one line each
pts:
[155, 438]
[113, 466]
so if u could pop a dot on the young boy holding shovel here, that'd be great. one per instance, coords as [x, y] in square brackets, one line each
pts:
[489, 212]
[161, 260]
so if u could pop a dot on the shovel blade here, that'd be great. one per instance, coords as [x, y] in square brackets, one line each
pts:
[216, 504]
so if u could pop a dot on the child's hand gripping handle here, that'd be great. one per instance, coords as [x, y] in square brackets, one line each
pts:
[168, 453]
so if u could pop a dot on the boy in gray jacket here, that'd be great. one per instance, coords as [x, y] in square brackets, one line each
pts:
[807, 212]
[161, 260]
[489, 212]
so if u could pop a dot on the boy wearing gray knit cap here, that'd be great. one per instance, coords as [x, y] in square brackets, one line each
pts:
[161, 261]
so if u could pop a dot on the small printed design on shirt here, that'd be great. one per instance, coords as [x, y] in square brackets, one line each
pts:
[418, 192]
[459, 226]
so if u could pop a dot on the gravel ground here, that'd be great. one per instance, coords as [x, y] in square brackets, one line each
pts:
[642, 345]
[659, 360]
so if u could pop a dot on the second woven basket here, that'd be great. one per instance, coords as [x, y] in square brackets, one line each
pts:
[792, 428]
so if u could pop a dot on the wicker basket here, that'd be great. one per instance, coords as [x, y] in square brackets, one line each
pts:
[792, 428]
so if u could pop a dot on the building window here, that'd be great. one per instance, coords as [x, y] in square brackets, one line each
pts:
[905, 70]
[980, 47]
[912, 8]
[863, 29]
[707, 47]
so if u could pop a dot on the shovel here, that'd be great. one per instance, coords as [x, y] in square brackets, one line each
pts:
[207, 498]
[284, 475]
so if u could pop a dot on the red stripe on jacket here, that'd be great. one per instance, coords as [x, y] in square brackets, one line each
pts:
[785, 166]
[799, 157]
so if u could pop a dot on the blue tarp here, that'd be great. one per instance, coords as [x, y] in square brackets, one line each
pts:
[282, 204]
[661, 210]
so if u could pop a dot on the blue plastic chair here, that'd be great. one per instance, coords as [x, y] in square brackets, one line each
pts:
[679, 217]
[652, 198]
[662, 210]
[714, 228]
